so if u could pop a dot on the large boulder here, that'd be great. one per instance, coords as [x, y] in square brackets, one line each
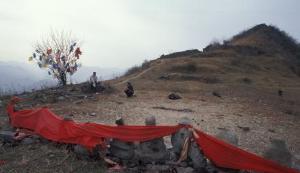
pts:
[195, 155]
[81, 152]
[154, 150]
[228, 136]
[121, 149]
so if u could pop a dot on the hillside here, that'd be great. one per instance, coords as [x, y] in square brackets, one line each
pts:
[262, 56]
[248, 86]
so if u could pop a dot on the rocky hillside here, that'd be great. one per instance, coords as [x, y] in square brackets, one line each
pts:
[245, 91]
[262, 56]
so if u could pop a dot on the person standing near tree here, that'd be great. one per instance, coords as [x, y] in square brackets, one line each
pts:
[93, 82]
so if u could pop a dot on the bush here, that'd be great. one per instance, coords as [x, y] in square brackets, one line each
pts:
[138, 68]
[132, 70]
[185, 68]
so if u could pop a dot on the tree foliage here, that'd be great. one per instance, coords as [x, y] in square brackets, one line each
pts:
[59, 53]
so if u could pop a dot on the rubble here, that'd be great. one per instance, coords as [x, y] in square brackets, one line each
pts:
[174, 96]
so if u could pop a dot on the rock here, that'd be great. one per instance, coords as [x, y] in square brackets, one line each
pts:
[7, 137]
[78, 102]
[296, 162]
[61, 98]
[174, 96]
[280, 92]
[93, 114]
[82, 96]
[279, 152]
[178, 138]
[154, 150]
[122, 150]
[150, 121]
[81, 152]
[245, 129]
[5, 126]
[196, 156]
[157, 168]
[27, 141]
[214, 93]
[228, 136]
[164, 77]
[185, 121]
[185, 170]
[44, 141]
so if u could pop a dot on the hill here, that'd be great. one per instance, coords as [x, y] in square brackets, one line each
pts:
[247, 86]
[261, 56]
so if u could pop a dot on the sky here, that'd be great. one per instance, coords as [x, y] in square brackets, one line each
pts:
[123, 33]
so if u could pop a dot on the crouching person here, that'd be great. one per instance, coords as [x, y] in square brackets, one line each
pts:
[129, 91]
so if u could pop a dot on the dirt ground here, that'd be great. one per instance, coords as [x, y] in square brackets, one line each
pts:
[266, 116]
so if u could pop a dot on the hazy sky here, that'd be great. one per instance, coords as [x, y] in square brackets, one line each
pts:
[122, 33]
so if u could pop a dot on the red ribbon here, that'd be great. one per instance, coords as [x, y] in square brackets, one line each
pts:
[45, 123]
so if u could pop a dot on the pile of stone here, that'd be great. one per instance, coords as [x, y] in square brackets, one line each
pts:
[154, 156]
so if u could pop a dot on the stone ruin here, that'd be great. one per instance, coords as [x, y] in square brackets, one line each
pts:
[177, 154]
[154, 155]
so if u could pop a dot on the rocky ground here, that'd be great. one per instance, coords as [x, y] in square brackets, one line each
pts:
[260, 121]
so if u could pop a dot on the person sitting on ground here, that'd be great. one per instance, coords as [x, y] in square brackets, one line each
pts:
[129, 90]
[93, 82]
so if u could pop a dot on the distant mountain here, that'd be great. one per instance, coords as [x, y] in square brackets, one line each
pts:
[19, 77]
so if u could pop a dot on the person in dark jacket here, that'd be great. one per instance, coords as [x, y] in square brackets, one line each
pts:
[129, 91]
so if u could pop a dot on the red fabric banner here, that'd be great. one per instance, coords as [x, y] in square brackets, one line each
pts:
[50, 126]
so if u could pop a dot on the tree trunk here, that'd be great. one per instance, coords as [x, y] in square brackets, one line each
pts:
[63, 78]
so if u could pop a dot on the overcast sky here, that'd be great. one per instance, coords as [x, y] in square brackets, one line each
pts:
[122, 33]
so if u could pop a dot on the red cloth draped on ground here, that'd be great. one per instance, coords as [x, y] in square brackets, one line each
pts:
[45, 123]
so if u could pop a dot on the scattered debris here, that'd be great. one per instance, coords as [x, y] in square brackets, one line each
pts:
[172, 109]
[93, 114]
[246, 80]
[280, 92]
[61, 98]
[271, 130]
[245, 129]
[215, 93]
[78, 102]
[174, 96]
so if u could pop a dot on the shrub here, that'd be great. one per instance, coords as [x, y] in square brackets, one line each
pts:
[138, 68]
[185, 68]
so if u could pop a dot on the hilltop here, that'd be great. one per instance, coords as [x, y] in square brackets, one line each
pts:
[231, 86]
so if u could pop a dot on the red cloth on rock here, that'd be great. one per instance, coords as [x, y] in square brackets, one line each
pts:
[45, 123]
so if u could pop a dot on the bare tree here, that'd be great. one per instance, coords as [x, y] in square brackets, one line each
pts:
[59, 54]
